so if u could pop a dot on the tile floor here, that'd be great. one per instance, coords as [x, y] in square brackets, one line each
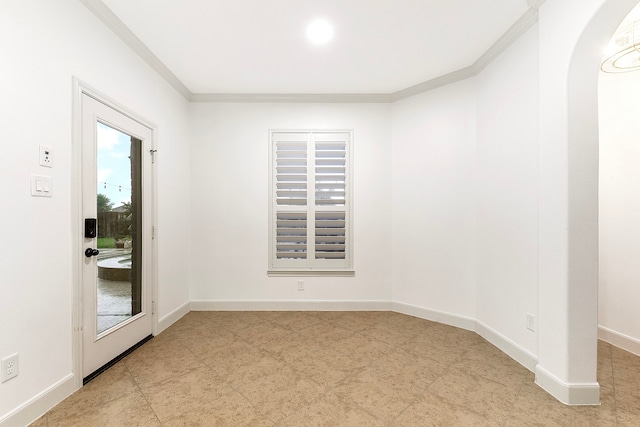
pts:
[334, 369]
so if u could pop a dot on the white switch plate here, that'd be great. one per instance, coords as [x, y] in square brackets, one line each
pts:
[41, 186]
[46, 156]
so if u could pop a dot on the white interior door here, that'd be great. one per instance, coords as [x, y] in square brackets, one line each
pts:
[117, 247]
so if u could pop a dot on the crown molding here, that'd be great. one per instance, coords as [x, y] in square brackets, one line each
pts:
[444, 80]
[291, 97]
[115, 24]
[520, 27]
[535, 3]
[526, 21]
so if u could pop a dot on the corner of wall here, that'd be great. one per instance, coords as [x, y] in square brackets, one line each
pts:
[619, 340]
[172, 317]
[568, 393]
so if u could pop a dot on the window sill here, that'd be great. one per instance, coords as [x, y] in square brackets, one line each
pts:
[311, 273]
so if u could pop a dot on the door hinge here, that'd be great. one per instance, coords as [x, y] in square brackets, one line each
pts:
[153, 155]
[153, 232]
[153, 307]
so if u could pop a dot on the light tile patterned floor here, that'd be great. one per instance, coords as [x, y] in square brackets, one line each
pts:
[334, 369]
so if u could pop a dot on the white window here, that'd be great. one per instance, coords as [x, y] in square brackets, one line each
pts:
[310, 217]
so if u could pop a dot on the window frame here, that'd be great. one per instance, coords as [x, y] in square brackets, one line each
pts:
[310, 266]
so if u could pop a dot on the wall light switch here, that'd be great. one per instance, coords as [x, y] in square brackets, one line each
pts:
[41, 186]
[46, 158]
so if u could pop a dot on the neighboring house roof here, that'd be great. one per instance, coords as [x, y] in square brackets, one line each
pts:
[121, 208]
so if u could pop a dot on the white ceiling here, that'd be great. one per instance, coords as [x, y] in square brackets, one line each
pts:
[260, 47]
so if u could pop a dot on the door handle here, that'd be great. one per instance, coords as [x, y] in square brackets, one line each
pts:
[91, 252]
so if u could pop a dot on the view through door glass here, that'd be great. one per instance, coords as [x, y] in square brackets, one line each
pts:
[119, 203]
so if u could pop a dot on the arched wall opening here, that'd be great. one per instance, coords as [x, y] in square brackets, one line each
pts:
[619, 206]
[573, 35]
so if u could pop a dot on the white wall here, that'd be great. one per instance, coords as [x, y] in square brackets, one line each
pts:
[619, 274]
[42, 45]
[427, 166]
[465, 198]
[229, 175]
[433, 200]
[507, 192]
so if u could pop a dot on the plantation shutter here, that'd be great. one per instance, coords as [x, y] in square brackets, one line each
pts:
[310, 217]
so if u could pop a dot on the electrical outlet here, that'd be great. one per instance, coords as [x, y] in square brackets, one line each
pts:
[46, 159]
[531, 322]
[301, 285]
[9, 366]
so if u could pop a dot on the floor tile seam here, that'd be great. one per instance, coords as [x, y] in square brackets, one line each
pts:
[362, 408]
[173, 377]
[252, 404]
[413, 402]
[613, 385]
[195, 356]
[242, 339]
[311, 354]
[373, 338]
[421, 356]
[615, 389]
[518, 395]
[370, 360]
[451, 363]
[499, 362]
[388, 328]
[433, 381]
[144, 396]
[391, 344]
[466, 407]
[108, 400]
[451, 368]
[299, 408]
[454, 366]
[295, 330]
[305, 376]
[323, 394]
[343, 380]
[288, 336]
[335, 324]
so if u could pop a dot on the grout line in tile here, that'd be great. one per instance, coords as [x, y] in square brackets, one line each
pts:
[140, 391]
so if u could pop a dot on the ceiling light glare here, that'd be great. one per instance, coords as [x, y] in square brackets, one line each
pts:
[319, 31]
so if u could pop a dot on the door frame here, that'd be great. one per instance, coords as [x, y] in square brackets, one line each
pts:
[80, 89]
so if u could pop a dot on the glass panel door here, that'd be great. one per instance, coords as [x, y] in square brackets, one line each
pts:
[119, 284]
[117, 254]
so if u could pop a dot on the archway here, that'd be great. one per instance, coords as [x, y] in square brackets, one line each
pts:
[619, 204]
[572, 38]
[568, 343]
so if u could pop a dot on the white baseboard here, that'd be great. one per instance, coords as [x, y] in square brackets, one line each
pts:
[622, 341]
[461, 322]
[517, 353]
[173, 317]
[290, 305]
[505, 345]
[34, 408]
[569, 394]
